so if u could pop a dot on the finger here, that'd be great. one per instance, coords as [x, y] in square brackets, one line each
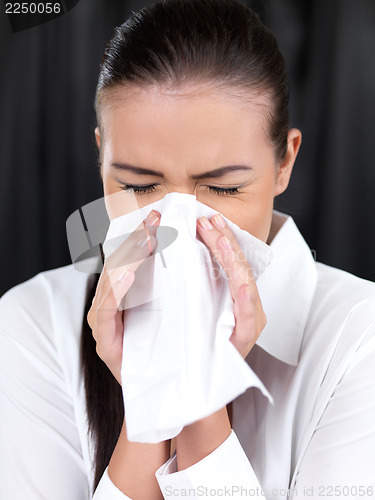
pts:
[219, 222]
[135, 252]
[250, 320]
[108, 294]
[104, 320]
[108, 285]
[111, 294]
[104, 316]
[108, 281]
[227, 251]
[136, 247]
[210, 235]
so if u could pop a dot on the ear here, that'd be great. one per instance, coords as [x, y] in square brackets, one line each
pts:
[286, 166]
[97, 137]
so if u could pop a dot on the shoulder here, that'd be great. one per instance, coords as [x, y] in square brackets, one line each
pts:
[342, 314]
[343, 292]
[39, 285]
[41, 304]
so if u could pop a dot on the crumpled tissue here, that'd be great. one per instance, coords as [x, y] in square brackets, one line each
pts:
[178, 363]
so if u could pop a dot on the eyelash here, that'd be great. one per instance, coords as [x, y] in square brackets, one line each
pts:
[151, 187]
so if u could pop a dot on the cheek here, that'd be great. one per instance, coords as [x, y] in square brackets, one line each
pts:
[259, 223]
[111, 198]
[255, 219]
[254, 214]
[117, 201]
[110, 186]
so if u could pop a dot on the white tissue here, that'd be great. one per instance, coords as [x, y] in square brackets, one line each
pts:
[178, 363]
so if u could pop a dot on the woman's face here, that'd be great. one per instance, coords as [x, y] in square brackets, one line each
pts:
[205, 144]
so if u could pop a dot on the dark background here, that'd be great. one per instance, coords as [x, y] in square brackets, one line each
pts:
[48, 159]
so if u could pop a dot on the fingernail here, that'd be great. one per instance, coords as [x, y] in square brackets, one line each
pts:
[124, 276]
[205, 223]
[219, 221]
[226, 243]
[152, 219]
[143, 242]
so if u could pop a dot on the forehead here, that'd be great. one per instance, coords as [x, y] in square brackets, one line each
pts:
[196, 124]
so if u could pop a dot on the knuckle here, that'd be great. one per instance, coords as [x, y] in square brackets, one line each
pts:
[264, 320]
[251, 299]
[248, 309]
[241, 341]
[99, 351]
[89, 318]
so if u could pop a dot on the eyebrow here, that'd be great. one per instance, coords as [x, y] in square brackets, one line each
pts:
[218, 172]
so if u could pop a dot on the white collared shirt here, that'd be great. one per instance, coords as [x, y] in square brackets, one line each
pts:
[316, 357]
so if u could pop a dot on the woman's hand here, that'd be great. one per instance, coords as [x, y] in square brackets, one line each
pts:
[105, 316]
[129, 459]
[199, 439]
[250, 318]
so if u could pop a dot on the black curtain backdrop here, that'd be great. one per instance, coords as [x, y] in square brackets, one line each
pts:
[48, 159]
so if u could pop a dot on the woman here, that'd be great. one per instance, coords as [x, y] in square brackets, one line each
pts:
[193, 97]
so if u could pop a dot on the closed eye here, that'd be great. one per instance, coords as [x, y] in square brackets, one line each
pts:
[139, 189]
[218, 190]
[149, 188]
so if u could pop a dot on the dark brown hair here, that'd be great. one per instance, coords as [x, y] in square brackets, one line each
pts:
[171, 45]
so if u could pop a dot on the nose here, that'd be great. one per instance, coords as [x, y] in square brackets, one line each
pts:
[182, 189]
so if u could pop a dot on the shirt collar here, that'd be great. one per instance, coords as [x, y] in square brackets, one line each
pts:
[286, 288]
